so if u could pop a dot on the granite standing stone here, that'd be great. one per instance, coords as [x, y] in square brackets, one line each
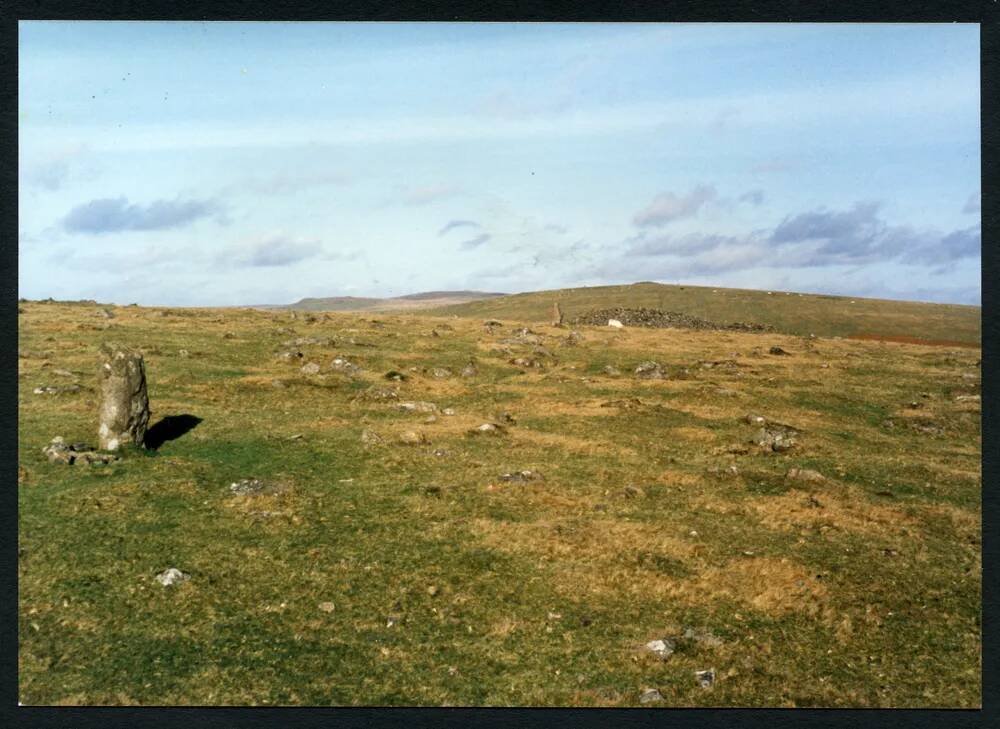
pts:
[124, 412]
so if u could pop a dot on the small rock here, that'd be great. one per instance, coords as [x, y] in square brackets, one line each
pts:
[377, 394]
[432, 590]
[291, 355]
[775, 438]
[183, 353]
[633, 492]
[56, 389]
[611, 370]
[63, 373]
[777, 350]
[229, 335]
[649, 370]
[172, 576]
[705, 678]
[441, 452]
[755, 419]
[339, 364]
[662, 648]
[470, 370]
[418, 407]
[805, 474]
[411, 437]
[441, 372]
[521, 476]
[615, 324]
[448, 411]
[251, 487]
[310, 368]
[488, 429]
[506, 418]
[327, 607]
[650, 696]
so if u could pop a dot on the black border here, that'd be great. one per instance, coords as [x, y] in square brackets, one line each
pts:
[984, 12]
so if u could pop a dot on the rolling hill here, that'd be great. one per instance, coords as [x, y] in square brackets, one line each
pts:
[787, 312]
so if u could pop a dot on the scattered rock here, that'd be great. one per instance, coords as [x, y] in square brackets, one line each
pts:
[172, 576]
[124, 412]
[58, 451]
[441, 373]
[290, 355]
[755, 419]
[655, 318]
[662, 648]
[777, 350]
[506, 418]
[805, 474]
[521, 476]
[650, 696]
[229, 335]
[573, 339]
[470, 370]
[776, 438]
[418, 407]
[252, 487]
[649, 370]
[183, 353]
[411, 437]
[310, 368]
[57, 389]
[488, 429]
[705, 678]
[395, 376]
[611, 370]
[339, 364]
[525, 362]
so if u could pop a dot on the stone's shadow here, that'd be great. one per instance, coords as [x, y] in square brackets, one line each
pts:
[169, 428]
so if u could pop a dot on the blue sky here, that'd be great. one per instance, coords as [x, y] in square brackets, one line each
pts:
[248, 163]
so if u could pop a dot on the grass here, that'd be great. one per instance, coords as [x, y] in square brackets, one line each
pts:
[792, 313]
[860, 591]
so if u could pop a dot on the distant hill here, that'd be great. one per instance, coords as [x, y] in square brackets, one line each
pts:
[421, 300]
[791, 313]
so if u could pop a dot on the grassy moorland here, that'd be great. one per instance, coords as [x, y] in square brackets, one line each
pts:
[793, 313]
[393, 573]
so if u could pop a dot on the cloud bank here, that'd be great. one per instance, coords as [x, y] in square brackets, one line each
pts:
[114, 215]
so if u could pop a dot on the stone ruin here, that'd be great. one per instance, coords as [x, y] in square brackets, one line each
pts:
[124, 409]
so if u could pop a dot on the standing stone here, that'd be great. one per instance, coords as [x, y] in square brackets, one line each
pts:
[124, 411]
[557, 315]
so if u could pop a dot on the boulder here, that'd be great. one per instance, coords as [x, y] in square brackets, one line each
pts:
[124, 412]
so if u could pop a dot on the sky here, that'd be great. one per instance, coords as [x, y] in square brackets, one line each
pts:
[226, 163]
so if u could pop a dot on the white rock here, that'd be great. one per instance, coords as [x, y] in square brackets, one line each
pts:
[663, 648]
[615, 323]
[172, 576]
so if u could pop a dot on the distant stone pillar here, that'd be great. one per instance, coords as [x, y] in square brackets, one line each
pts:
[124, 412]
[557, 315]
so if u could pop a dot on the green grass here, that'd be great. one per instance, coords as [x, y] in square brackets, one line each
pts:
[543, 592]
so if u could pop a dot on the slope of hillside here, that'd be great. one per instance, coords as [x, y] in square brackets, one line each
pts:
[791, 313]
[420, 300]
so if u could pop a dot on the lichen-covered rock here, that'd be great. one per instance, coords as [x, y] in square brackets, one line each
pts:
[124, 412]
